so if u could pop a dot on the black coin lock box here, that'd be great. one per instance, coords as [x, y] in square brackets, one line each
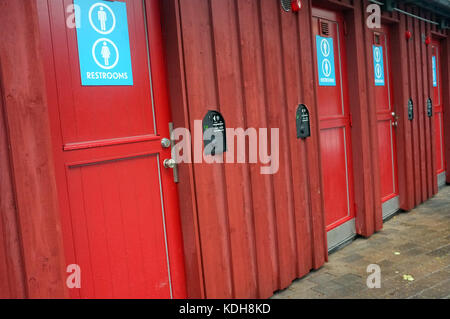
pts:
[214, 133]
[303, 122]
[429, 107]
[410, 110]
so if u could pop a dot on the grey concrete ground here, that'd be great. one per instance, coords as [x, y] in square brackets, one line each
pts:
[412, 250]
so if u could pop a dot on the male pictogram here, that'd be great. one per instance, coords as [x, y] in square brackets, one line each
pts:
[102, 17]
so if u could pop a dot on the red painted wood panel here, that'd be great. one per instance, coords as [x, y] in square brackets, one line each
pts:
[26, 119]
[387, 132]
[400, 74]
[411, 45]
[256, 116]
[231, 101]
[277, 118]
[364, 128]
[446, 96]
[265, 230]
[112, 244]
[11, 259]
[335, 130]
[118, 204]
[438, 110]
[419, 46]
[187, 200]
[429, 130]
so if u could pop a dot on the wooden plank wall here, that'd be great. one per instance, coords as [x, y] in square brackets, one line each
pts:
[245, 58]
[248, 234]
[26, 121]
[422, 127]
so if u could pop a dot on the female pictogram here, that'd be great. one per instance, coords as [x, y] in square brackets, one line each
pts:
[107, 52]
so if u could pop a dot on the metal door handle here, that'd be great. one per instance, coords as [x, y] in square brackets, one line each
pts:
[170, 163]
[395, 124]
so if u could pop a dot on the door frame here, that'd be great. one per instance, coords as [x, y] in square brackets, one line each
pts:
[441, 174]
[343, 230]
[445, 70]
[391, 203]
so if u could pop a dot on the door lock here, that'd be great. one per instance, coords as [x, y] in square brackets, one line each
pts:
[166, 143]
[170, 163]
[395, 119]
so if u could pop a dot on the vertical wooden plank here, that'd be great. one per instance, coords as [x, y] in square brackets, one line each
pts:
[414, 122]
[11, 259]
[262, 189]
[420, 107]
[277, 118]
[31, 154]
[211, 195]
[319, 241]
[237, 176]
[401, 96]
[361, 102]
[373, 188]
[294, 91]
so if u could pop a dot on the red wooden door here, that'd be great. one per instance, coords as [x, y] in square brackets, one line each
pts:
[118, 203]
[386, 119]
[438, 109]
[335, 125]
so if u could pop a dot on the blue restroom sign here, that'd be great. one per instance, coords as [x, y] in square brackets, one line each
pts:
[378, 65]
[325, 61]
[433, 60]
[103, 43]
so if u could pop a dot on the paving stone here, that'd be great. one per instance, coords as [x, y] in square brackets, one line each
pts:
[322, 278]
[440, 291]
[440, 252]
[406, 246]
[415, 252]
[348, 279]
[352, 258]
[327, 288]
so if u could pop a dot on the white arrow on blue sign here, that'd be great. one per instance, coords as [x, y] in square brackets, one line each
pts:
[325, 61]
[378, 65]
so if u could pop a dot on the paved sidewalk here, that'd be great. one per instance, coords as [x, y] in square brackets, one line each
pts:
[413, 251]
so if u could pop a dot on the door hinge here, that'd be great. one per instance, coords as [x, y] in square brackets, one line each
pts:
[345, 28]
[350, 117]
